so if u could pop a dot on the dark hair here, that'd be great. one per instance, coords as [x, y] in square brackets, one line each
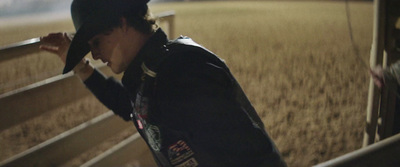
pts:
[142, 20]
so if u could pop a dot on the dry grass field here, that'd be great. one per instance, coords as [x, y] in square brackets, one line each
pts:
[293, 59]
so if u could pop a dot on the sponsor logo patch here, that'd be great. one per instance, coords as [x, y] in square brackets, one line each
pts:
[181, 152]
[154, 136]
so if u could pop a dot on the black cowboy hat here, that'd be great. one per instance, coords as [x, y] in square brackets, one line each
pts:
[91, 17]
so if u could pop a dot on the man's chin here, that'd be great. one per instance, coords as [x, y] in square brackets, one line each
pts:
[116, 70]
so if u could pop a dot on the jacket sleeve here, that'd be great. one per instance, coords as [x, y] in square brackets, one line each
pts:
[111, 93]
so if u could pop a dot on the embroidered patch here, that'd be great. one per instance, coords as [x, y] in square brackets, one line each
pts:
[179, 152]
[154, 136]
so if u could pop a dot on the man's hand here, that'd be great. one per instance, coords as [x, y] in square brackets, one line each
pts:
[377, 76]
[57, 43]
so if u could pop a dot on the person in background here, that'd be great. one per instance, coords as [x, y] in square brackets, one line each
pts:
[382, 76]
[181, 97]
[389, 78]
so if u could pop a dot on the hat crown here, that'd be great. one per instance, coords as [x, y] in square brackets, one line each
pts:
[84, 10]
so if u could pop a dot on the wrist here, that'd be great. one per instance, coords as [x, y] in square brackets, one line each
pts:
[83, 69]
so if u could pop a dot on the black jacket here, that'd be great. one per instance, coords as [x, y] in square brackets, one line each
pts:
[188, 107]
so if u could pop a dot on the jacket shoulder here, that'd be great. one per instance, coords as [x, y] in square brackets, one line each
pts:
[186, 44]
[186, 55]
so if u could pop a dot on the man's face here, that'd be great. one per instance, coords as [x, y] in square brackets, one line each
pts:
[108, 48]
[118, 47]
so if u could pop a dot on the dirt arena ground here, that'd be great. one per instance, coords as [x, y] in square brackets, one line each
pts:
[294, 60]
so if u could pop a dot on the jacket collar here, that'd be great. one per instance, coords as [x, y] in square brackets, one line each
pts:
[154, 48]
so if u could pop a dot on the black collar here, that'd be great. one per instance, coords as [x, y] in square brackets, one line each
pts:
[149, 53]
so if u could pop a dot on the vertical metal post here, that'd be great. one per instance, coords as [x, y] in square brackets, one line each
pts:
[171, 26]
[168, 17]
[375, 59]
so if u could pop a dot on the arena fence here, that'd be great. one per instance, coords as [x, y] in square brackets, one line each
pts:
[36, 99]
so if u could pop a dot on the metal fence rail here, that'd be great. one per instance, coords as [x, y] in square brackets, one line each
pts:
[52, 92]
[64, 147]
[383, 153]
[19, 49]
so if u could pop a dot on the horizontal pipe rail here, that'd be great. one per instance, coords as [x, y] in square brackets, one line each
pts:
[64, 147]
[36, 99]
[19, 49]
[383, 153]
[165, 14]
[132, 150]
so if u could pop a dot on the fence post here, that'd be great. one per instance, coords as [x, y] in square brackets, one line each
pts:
[388, 116]
[375, 59]
[381, 108]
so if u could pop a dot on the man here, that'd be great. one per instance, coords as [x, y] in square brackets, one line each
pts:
[181, 97]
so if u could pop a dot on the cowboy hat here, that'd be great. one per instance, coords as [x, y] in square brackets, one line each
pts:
[91, 17]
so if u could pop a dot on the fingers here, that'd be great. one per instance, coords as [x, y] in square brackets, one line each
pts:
[378, 82]
[377, 76]
[373, 73]
[56, 42]
[48, 48]
[51, 38]
[56, 39]
[376, 72]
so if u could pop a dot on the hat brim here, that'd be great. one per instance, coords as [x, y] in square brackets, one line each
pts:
[80, 47]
